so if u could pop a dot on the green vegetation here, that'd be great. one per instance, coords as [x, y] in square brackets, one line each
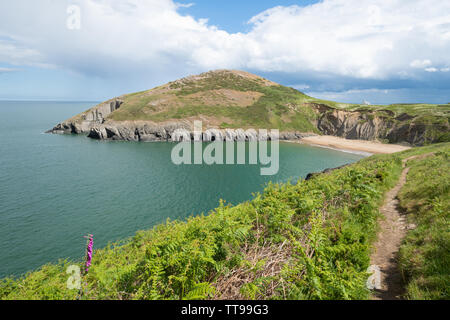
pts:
[325, 227]
[425, 254]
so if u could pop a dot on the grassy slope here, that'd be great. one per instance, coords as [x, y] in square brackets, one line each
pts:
[278, 106]
[325, 226]
[425, 254]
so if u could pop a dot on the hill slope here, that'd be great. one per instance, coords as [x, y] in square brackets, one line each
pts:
[224, 99]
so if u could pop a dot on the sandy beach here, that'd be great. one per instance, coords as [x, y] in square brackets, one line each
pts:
[353, 145]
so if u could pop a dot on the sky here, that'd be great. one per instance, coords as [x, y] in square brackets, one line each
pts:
[381, 51]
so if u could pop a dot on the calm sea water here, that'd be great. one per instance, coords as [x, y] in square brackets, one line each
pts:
[56, 188]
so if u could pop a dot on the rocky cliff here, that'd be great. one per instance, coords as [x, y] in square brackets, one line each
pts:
[179, 131]
[380, 125]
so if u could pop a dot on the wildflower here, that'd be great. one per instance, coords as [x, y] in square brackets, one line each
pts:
[89, 252]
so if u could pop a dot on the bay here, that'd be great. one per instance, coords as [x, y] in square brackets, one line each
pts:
[56, 188]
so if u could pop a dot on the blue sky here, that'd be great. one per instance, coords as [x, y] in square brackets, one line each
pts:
[347, 50]
[233, 15]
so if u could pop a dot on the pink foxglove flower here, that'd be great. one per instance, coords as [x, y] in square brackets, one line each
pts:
[90, 245]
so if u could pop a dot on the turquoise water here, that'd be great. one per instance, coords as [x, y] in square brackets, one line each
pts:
[56, 188]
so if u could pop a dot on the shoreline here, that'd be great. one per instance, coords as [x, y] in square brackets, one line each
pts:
[364, 147]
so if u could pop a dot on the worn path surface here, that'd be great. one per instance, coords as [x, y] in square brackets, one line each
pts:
[393, 230]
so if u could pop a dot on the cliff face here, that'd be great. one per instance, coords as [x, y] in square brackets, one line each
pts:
[146, 131]
[382, 124]
[177, 131]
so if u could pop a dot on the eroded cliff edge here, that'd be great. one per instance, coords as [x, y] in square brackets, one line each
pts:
[381, 124]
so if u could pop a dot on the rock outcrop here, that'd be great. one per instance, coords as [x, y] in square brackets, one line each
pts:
[87, 120]
[179, 131]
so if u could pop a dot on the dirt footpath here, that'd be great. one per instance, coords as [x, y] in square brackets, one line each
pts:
[393, 230]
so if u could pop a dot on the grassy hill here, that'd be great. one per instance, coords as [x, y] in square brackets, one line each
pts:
[311, 240]
[237, 99]
[225, 99]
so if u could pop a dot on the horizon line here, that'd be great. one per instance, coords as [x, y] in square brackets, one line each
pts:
[47, 100]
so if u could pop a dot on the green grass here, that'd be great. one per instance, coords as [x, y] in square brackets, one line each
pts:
[425, 253]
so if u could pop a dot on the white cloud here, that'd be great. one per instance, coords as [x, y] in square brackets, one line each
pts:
[346, 37]
[334, 37]
[427, 66]
[420, 63]
[5, 70]
[184, 5]
[15, 54]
